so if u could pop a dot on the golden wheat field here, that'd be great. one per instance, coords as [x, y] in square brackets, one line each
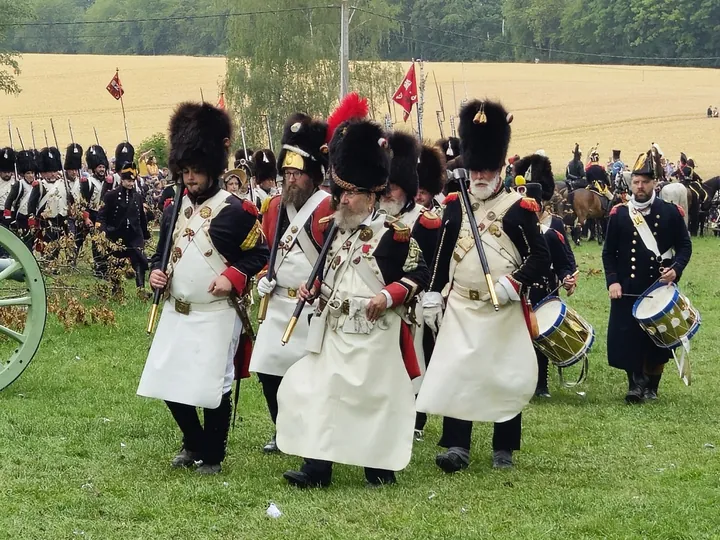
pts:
[554, 105]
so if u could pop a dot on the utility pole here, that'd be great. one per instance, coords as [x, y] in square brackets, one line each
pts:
[344, 47]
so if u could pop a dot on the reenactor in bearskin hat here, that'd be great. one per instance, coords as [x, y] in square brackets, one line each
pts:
[21, 203]
[123, 219]
[351, 400]
[7, 174]
[398, 202]
[476, 372]
[55, 198]
[73, 170]
[216, 247]
[535, 180]
[265, 177]
[292, 223]
[451, 150]
[431, 178]
[124, 154]
[638, 251]
[92, 188]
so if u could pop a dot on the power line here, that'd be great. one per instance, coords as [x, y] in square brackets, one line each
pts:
[532, 47]
[168, 18]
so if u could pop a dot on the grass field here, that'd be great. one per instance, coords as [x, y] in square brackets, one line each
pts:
[82, 456]
[554, 106]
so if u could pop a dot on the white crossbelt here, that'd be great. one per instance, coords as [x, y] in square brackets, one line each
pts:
[646, 235]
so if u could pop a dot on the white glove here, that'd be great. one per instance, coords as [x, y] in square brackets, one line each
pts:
[505, 291]
[265, 286]
[432, 305]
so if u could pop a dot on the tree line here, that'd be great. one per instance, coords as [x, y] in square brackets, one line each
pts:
[663, 32]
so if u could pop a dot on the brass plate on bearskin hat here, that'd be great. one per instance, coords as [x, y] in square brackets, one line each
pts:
[176, 254]
[366, 234]
[205, 212]
[188, 212]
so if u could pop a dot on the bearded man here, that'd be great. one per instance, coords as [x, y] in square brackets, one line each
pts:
[351, 400]
[483, 366]
[292, 223]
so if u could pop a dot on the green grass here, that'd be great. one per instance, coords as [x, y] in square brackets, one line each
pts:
[81, 456]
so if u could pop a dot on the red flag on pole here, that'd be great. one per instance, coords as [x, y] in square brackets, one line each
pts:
[407, 94]
[221, 101]
[115, 87]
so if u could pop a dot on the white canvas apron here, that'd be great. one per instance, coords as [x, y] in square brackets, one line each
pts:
[483, 367]
[190, 360]
[353, 402]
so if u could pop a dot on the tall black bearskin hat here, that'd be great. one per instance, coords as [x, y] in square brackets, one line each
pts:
[360, 157]
[404, 165]
[648, 164]
[241, 162]
[73, 157]
[265, 165]
[431, 170]
[616, 155]
[95, 156]
[7, 160]
[450, 147]
[537, 169]
[484, 135]
[200, 138]
[577, 153]
[50, 160]
[124, 154]
[304, 146]
[26, 162]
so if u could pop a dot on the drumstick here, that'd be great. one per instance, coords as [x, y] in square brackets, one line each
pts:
[556, 289]
[636, 295]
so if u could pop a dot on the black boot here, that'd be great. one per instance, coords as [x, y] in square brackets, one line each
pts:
[217, 427]
[271, 446]
[453, 460]
[637, 382]
[502, 459]
[541, 389]
[651, 392]
[314, 473]
[187, 420]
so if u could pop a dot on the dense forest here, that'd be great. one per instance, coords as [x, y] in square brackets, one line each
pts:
[663, 32]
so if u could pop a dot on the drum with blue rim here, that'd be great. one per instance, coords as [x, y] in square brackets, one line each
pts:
[666, 315]
[565, 337]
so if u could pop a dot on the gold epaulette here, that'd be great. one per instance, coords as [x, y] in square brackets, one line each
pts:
[252, 238]
[266, 204]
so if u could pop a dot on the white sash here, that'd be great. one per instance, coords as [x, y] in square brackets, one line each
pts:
[646, 235]
[297, 222]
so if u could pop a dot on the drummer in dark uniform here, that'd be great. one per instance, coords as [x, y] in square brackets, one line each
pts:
[535, 180]
[641, 238]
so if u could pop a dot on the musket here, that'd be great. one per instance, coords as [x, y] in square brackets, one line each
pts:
[262, 308]
[97, 140]
[72, 137]
[440, 113]
[461, 175]
[247, 160]
[22, 144]
[269, 133]
[62, 165]
[310, 282]
[12, 145]
[167, 248]
[440, 124]
[46, 139]
[32, 135]
[453, 130]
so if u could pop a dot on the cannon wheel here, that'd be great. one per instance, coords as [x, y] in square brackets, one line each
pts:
[29, 294]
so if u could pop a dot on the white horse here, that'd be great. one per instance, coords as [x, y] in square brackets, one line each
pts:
[676, 193]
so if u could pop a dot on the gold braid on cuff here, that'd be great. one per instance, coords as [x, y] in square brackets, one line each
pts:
[347, 186]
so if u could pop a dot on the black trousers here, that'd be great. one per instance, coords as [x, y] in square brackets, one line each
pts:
[321, 471]
[542, 362]
[428, 347]
[138, 261]
[270, 385]
[506, 435]
[209, 441]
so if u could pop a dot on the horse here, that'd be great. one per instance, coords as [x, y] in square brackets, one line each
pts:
[588, 205]
[696, 197]
[711, 187]
[675, 192]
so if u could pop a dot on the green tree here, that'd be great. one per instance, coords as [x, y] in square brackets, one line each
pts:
[12, 11]
[281, 63]
[160, 147]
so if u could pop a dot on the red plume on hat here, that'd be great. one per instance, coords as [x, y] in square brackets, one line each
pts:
[351, 107]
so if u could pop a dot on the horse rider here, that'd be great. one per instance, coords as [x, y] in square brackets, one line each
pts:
[575, 172]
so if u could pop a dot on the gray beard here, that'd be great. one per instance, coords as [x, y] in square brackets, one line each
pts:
[485, 193]
[347, 220]
[391, 208]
